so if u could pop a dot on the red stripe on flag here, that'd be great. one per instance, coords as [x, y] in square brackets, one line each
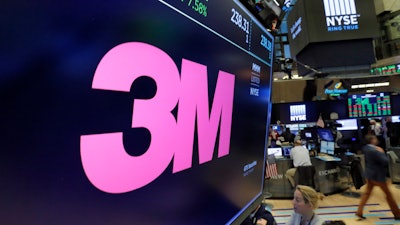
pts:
[272, 170]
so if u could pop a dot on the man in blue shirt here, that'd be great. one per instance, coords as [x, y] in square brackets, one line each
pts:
[375, 174]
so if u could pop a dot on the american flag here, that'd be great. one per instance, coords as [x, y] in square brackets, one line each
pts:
[272, 170]
[320, 122]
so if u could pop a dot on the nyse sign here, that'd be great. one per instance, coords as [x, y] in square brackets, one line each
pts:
[298, 113]
[341, 15]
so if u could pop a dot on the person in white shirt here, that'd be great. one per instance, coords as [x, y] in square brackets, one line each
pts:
[305, 201]
[376, 128]
[301, 157]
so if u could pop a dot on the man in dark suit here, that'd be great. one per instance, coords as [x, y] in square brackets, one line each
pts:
[375, 174]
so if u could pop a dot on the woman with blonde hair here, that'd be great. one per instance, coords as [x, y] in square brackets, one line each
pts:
[305, 201]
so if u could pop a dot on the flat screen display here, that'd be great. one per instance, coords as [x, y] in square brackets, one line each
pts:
[277, 152]
[324, 147]
[396, 119]
[325, 134]
[132, 112]
[349, 124]
[286, 150]
[331, 148]
[309, 133]
[369, 105]
[327, 147]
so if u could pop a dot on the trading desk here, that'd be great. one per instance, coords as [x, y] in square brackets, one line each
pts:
[330, 177]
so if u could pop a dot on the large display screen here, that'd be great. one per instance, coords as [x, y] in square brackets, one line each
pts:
[348, 124]
[313, 21]
[132, 112]
[369, 105]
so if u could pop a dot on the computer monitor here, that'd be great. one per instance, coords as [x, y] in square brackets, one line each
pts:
[129, 102]
[331, 148]
[277, 128]
[327, 147]
[349, 124]
[286, 150]
[325, 134]
[396, 119]
[277, 152]
[294, 128]
[309, 133]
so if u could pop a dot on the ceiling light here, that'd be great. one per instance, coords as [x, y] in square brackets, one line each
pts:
[370, 85]
[383, 84]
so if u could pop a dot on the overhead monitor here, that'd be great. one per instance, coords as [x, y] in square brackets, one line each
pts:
[369, 105]
[132, 112]
[348, 124]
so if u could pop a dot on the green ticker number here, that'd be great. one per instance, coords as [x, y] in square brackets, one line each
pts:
[198, 6]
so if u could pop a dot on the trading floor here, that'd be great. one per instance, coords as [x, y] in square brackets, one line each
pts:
[340, 207]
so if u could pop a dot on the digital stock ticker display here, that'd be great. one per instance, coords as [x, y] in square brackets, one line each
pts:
[132, 112]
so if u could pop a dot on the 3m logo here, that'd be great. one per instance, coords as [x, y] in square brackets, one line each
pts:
[341, 15]
[298, 113]
[106, 163]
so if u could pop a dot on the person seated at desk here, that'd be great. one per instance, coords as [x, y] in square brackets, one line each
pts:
[300, 156]
[288, 136]
[305, 201]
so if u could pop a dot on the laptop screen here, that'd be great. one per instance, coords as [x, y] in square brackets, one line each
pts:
[275, 151]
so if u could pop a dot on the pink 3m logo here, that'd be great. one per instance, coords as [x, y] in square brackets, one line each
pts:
[106, 163]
